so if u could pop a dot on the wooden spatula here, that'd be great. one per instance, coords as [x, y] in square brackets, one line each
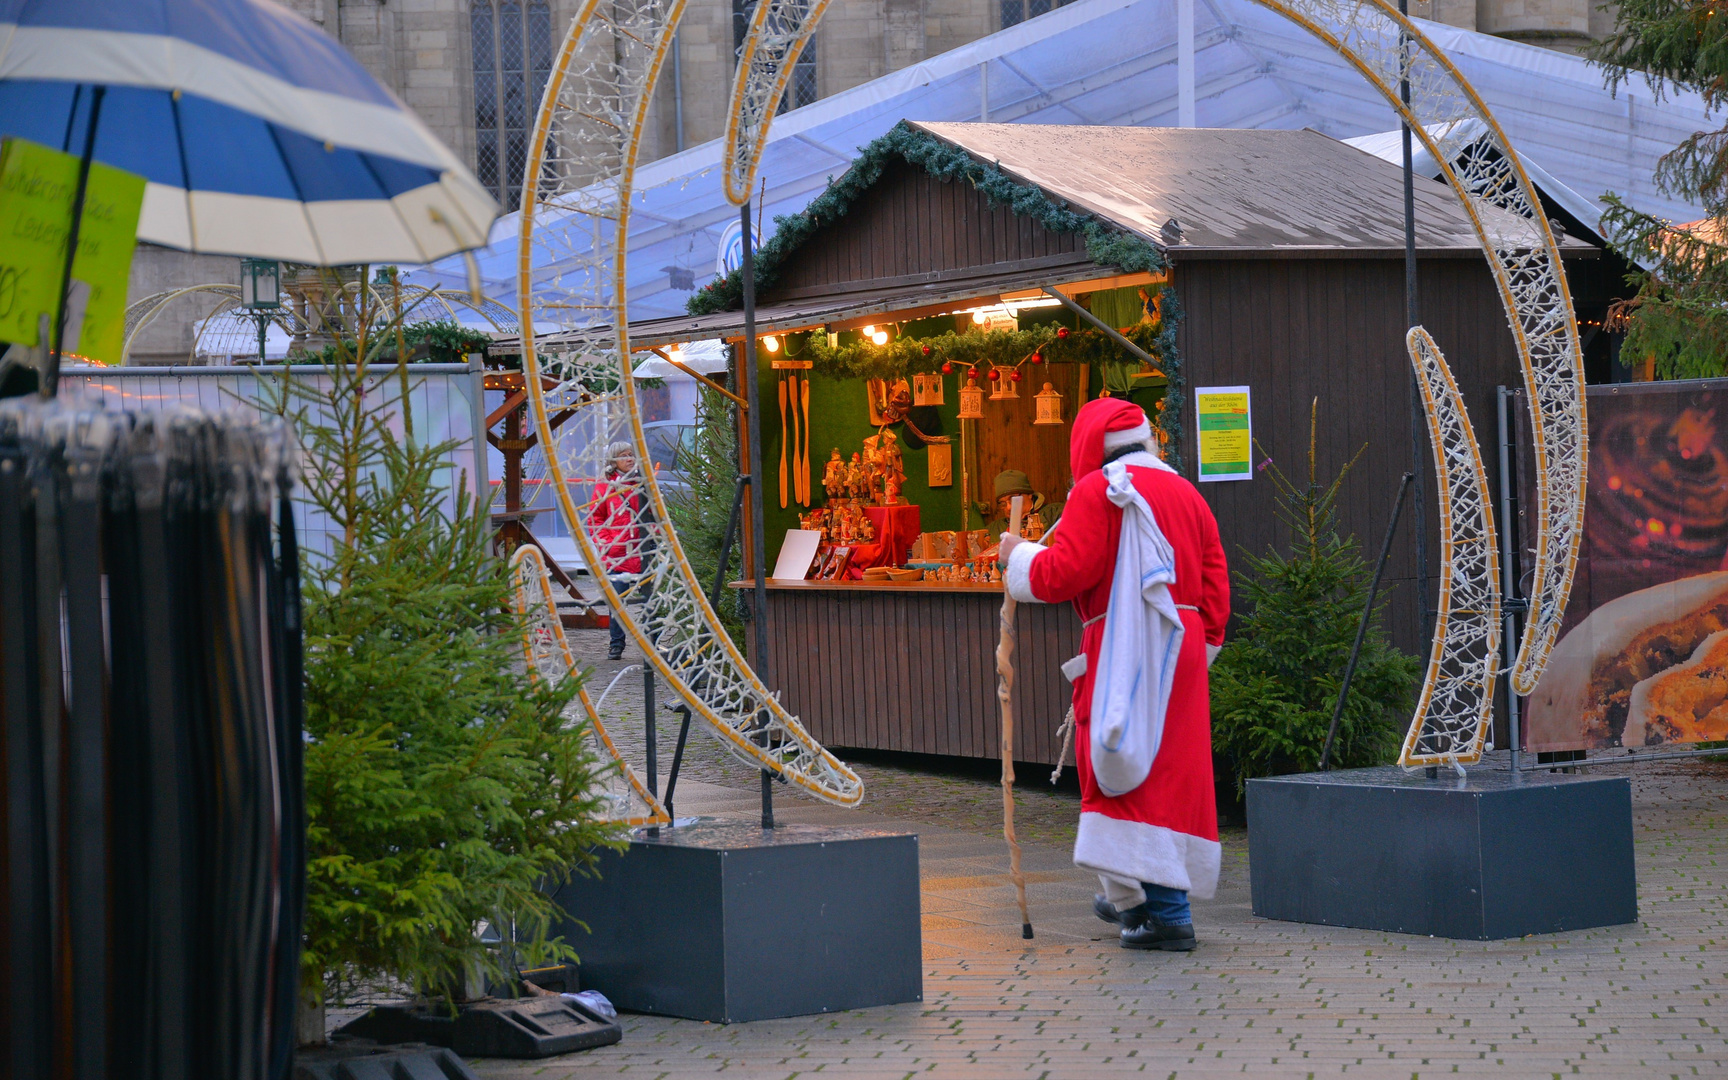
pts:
[781, 385]
[804, 392]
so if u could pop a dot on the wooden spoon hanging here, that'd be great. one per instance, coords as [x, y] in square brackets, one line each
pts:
[781, 386]
[804, 391]
[797, 473]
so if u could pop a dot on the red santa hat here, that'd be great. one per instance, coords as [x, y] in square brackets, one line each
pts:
[1103, 425]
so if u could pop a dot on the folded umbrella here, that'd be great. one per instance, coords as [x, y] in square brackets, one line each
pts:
[256, 132]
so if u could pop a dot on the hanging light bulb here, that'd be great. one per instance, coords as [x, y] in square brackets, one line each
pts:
[880, 337]
[869, 331]
[771, 343]
[979, 316]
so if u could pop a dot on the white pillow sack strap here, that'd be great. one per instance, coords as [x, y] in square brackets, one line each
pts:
[1142, 640]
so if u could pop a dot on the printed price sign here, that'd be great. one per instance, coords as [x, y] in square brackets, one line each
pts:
[1226, 433]
[37, 188]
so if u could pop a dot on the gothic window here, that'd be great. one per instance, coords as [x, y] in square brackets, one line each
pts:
[801, 87]
[512, 42]
[1018, 11]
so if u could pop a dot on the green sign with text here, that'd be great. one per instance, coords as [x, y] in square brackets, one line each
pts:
[38, 186]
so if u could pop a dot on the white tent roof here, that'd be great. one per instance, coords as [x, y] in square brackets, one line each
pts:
[1389, 146]
[1114, 62]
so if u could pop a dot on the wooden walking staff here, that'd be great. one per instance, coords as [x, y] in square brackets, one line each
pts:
[1004, 688]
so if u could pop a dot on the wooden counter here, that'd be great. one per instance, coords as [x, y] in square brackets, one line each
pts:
[912, 667]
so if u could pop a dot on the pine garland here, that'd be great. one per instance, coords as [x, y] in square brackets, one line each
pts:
[980, 350]
[1106, 244]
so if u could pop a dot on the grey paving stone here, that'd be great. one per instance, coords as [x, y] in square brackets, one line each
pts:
[1257, 998]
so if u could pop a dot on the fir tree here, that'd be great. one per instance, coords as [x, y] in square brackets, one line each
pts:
[699, 512]
[443, 788]
[1678, 318]
[1275, 683]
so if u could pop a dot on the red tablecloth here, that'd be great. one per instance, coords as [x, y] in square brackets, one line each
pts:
[897, 528]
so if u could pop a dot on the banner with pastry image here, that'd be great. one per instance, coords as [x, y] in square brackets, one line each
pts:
[1643, 657]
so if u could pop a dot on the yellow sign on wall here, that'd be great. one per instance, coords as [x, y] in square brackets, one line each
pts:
[38, 186]
[1226, 433]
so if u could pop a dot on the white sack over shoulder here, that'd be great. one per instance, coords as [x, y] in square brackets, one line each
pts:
[1142, 640]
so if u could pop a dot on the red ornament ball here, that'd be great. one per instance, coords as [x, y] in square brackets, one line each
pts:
[1015, 375]
[1037, 358]
[995, 375]
[1061, 331]
[947, 369]
[972, 373]
[926, 350]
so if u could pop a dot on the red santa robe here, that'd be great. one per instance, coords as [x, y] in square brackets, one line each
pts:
[1166, 830]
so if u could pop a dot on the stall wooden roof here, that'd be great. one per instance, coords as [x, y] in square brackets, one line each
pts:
[1233, 191]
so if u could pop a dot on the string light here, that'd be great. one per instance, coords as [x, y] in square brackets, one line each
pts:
[771, 343]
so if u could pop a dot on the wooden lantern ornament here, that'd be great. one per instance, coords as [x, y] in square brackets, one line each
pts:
[1049, 402]
[1006, 380]
[971, 400]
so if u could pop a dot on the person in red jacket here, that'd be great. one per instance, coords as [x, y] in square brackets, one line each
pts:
[1154, 845]
[616, 527]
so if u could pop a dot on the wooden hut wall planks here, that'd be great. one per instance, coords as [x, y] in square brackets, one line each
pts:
[1285, 251]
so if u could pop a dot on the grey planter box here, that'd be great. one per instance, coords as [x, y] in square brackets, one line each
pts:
[728, 922]
[1495, 855]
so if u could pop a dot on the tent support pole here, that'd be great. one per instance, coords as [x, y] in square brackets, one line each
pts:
[51, 371]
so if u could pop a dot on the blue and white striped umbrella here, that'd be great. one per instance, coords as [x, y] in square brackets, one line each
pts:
[257, 132]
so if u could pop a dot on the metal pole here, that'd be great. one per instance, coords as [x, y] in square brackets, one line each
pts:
[477, 377]
[648, 731]
[1109, 331]
[51, 371]
[677, 92]
[1362, 627]
[747, 272]
[1412, 317]
[1509, 607]
[726, 542]
[677, 762]
[1185, 63]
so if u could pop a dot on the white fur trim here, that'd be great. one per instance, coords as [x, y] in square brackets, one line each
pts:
[1212, 652]
[1140, 852]
[1145, 459]
[1018, 576]
[1114, 440]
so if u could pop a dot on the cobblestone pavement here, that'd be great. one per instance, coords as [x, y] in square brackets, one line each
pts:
[1258, 997]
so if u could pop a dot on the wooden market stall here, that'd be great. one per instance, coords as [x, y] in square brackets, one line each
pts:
[957, 248]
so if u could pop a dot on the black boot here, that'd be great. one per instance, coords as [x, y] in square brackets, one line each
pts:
[615, 652]
[1128, 917]
[1151, 935]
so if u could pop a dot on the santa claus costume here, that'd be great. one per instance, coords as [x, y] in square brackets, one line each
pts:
[1151, 834]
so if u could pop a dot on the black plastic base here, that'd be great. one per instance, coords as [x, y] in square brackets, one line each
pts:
[361, 1059]
[730, 922]
[1494, 855]
[534, 1027]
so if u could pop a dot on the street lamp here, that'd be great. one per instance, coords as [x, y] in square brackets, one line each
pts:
[261, 293]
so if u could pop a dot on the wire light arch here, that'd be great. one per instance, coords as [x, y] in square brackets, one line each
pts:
[546, 655]
[582, 161]
[779, 31]
[1456, 704]
[581, 167]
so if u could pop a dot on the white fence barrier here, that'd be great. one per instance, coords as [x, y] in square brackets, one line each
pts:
[446, 401]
